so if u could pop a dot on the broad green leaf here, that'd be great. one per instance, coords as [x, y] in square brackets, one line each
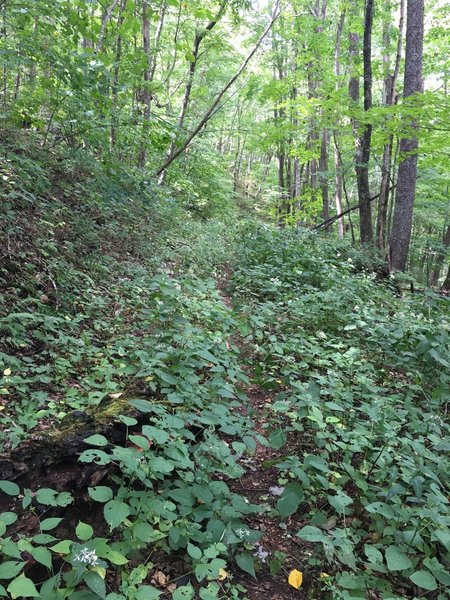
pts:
[84, 531]
[96, 440]
[277, 439]
[95, 583]
[9, 487]
[396, 560]
[288, 504]
[95, 456]
[194, 552]
[100, 493]
[425, 580]
[115, 513]
[147, 592]
[42, 556]
[310, 533]
[51, 523]
[10, 569]
[22, 587]
[246, 562]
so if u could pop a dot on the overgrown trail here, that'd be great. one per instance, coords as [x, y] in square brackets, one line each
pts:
[277, 552]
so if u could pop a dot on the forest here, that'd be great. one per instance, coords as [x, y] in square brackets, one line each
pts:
[224, 299]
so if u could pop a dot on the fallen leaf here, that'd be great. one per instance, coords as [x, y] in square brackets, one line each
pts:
[160, 578]
[116, 395]
[295, 578]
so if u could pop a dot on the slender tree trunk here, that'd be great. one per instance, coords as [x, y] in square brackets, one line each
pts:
[390, 95]
[407, 171]
[5, 68]
[212, 109]
[440, 258]
[337, 166]
[115, 83]
[199, 37]
[146, 96]
[323, 172]
[364, 141]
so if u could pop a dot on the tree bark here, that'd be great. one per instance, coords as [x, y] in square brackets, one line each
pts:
[389, 100]
[440, 258]
[337, 165]
[407, 172]
[364, 141]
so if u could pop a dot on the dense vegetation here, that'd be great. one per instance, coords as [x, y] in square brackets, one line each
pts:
[212, 383]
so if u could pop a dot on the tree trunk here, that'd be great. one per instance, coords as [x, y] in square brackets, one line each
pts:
[115, 83]
[337, 166]
[440, 258]
[199, 36]
[389, 94]
[407, 171]
[146, 97]
[364, 141]
[212, 109]
[323, 174]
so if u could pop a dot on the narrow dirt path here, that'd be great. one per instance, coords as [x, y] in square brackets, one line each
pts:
[261, 485]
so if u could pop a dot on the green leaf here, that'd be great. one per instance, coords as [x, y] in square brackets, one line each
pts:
[10, 569]
[246, 562]
[116, 558]
[100, 493]
[185, 592]
[147, 592]
[42, 556]
[95, 583]
[143, 405]
[396, 560]
[115, 512]
[8, 517]
[425, 580]
[373, 554]
[63, 547]
[95, 456]
[288, 504]
[310, 533]
[84, 531]
[277, 439]
[22, 587]
[194, 552]
[96, 440]
[9, 487]
[51, 523]
[144, 532]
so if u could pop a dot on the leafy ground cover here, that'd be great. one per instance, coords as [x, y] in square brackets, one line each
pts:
[280, 423]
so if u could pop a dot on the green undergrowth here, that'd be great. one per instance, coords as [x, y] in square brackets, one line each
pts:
[360, 385]
[109, 307]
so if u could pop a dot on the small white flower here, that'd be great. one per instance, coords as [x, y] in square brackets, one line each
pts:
[242, 533]
[261, 553]
[87, 557]
[276, 490]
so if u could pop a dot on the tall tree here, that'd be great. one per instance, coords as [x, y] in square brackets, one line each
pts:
[407, 171]
[363, 143]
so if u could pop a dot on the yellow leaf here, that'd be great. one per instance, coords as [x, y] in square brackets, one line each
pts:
[7, 372]
[295, 579]
[222, 574]
[324, 576]
[100, 570]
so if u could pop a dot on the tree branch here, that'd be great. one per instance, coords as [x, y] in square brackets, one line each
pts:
[209, 113]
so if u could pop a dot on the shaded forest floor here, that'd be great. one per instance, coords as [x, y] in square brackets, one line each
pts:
[174, 428]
